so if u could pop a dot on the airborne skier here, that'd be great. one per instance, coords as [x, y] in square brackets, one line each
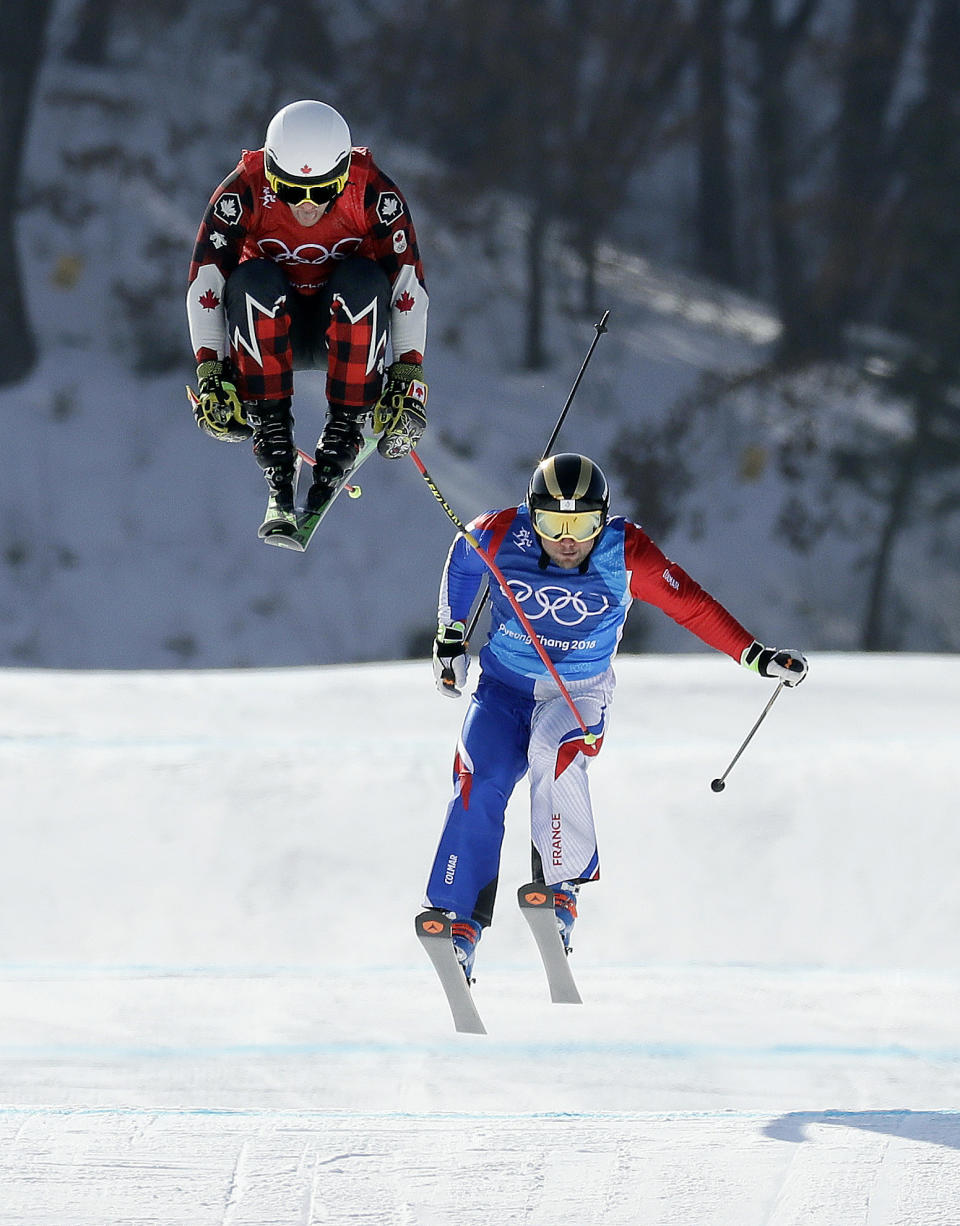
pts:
[307, 258]
[575, 573]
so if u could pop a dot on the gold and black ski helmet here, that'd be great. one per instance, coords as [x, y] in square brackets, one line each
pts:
[568, 495]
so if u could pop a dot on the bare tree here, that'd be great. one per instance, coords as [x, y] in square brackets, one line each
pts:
[907, 478]
[924, 247]
[921, 238]
[495, 109]
[716, 226]
[626, 60]
[554, 101]
[93, 25]
[777, 43]
[863, 170]
[21, 56]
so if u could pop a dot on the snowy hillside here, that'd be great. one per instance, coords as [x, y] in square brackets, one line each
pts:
[127, 539]
[150, 557]
[217, 1013]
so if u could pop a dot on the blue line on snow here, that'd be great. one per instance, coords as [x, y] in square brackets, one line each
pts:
[497, 1049]
[441, 1117]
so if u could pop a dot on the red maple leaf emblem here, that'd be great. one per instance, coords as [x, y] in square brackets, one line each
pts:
[306, 170]
[209, 300]
[404, 302]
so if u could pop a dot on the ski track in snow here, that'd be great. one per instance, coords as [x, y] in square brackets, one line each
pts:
[216, 1012]
[725, 1168]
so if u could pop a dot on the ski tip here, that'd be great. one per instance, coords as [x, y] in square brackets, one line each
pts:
[284, 540]
[277, 525]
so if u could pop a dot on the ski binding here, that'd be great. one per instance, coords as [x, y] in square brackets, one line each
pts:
[295, 531]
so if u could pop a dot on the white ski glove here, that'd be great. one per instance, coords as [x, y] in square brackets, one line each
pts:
[787, 666]
[450, 659]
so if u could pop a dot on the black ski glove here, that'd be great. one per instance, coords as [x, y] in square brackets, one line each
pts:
[450, 659]
[218, 410]
[400, 375]
[787, 666]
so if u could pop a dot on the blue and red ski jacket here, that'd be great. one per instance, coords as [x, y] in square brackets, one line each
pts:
[578, 614]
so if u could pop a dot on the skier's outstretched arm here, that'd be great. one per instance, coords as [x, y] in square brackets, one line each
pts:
[657, 580]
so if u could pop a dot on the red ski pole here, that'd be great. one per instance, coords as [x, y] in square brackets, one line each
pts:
[589, 737]
[354, 491]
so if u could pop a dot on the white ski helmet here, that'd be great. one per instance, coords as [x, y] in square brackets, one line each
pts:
[306, 155]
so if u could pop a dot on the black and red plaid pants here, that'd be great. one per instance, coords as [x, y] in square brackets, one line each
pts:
[274, 330]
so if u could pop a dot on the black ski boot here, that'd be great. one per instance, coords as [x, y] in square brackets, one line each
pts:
[274, 450]
[337, 453]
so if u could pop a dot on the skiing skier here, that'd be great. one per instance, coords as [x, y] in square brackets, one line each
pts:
[307, 258]
[574, 571]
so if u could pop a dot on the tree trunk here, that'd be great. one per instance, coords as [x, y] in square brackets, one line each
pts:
[871, 70]
[774, 128]
[91, 33]
[21, 56]
[925, 393]
[776, 46]
[715, 224]
[535, 355]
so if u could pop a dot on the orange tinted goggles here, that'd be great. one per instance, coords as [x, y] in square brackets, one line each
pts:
[580, 525]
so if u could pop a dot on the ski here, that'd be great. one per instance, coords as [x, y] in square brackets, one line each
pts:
[536, 904]
[279, 527]
[433, 929]
[307, 522]
[294, 529]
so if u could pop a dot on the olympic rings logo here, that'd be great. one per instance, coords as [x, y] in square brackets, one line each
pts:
[565, 607]
[307, 253]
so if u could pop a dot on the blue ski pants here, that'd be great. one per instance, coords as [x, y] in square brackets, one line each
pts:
[505, 735]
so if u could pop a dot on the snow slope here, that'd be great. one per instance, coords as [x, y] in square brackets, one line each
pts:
[127, 539]
[216, 1011]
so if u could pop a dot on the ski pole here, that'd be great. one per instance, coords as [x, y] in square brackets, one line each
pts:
[600, 328]
[590, 738]
[717, 785]
[354, 491]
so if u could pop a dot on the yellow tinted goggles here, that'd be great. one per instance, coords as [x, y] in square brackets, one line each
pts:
[580, 525]
[315, 193]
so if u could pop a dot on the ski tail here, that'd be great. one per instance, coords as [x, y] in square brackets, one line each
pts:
[536, 905]
[435, 934]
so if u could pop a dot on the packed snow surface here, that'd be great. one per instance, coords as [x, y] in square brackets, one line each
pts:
[216, 1012]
